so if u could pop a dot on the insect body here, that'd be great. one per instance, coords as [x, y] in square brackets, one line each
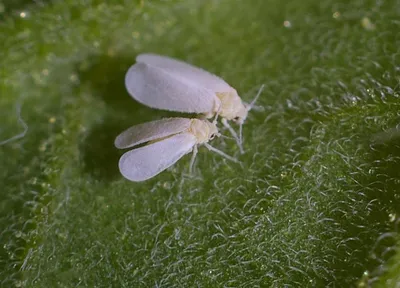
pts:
[165, 83]
[168, 141]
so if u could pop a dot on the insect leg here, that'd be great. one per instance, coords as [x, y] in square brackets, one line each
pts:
[241, 134]
[194, 153]
[233, 133]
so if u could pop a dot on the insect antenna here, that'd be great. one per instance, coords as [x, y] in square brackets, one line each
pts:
[219, 152]
[226, 137]
[251, 105]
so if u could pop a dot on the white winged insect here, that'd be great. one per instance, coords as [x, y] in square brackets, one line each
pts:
[169, 84]
[168, 140]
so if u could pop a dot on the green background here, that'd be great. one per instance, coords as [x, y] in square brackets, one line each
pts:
[315, 204]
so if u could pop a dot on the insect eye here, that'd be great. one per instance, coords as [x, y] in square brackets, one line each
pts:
[237, 118]
[212, 136]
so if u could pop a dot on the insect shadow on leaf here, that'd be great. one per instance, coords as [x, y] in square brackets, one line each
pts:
[104, 76]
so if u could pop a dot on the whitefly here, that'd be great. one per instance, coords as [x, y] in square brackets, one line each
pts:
[167, 141]
[169, 84]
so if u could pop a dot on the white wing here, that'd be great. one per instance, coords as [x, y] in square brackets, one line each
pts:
[149, 131]
[197, 75]
[146, 162]
[161, 89]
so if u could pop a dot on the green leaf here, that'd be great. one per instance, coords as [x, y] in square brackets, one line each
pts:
[315, 202]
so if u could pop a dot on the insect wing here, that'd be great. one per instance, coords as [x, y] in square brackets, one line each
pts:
[149, 131]
[184, 70]
[161, 89]
[146, 162]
